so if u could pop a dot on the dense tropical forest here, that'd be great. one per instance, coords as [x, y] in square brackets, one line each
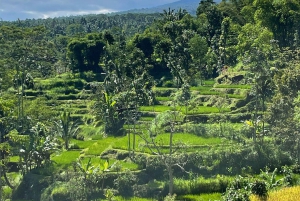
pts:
[165, 106]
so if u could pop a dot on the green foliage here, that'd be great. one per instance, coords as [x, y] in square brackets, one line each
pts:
[60, 193]
[238, 190]
[202, 197]
[201, 185]
[257, 39]
[124, 183]
[170, 197]
[6, 193]
[66, 128]
[66, 158]
[200, 109]
[259, 188]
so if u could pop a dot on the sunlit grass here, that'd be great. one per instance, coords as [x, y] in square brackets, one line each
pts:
[82, 144]
[201, 88]
[164, 88]
[163, 98]
[233, 86]
[118, 198]
[66, 157]
[209, 82]
[163, 140]
[89, 130]
[285, 194]
[146, 118]
[198, 110]
[210, 92]
[97, 161]
[98, 147]
[237, 96]
[203, 197]
[14, 159]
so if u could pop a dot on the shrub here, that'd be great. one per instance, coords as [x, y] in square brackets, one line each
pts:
[31, 187]
[74, 146]
[154, 166]
[60, 193]
[6, 193]
[238, 190]
[197, 129]
[259, 188]
[170, 197]
[124, 183]
[163, 92]
[168, 83]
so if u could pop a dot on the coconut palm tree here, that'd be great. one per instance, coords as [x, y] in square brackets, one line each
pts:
[66, 128]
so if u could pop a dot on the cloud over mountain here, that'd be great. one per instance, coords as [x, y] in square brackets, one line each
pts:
[14, 9]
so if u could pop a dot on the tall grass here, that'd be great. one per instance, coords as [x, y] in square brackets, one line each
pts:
[202, 197]
[90, 131]
[201, 185]
[118, 198]
[285, 194]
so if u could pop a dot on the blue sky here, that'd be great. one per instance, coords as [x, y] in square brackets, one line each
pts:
[14, 9]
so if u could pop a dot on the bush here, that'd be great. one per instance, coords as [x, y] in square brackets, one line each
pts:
[238, 190]
[6, 193]
[200, 185]
[124, 183]
[154, 166]
[74, 146]
[259, 188]
[168, 83]
[163, 92]
[197, 129]
[60, 193]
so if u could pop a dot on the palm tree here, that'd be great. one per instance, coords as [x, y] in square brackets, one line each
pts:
[169, 15]
[66, 128]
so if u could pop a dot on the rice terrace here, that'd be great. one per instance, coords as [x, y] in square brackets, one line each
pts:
[189, 104]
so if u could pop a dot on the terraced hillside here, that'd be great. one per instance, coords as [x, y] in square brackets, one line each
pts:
[211, 122]
[207, 102]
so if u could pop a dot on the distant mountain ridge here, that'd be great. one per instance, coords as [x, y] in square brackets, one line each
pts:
[189, 5]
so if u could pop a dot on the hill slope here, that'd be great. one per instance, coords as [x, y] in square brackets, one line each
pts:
[189, 5]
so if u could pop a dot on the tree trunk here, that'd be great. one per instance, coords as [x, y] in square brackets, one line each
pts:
[263, 121]
[255, 116]
[298, 150]
[129, 142]
[67, 144]
[133, 140]
[171, 180]
[7, 181]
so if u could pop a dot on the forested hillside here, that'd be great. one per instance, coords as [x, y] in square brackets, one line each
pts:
[165, 106]
[189, 5]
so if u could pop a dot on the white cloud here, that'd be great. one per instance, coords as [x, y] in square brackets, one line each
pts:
[13, 9]
[51, 14]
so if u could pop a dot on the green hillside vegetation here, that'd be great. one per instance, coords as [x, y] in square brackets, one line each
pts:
[152, 106]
